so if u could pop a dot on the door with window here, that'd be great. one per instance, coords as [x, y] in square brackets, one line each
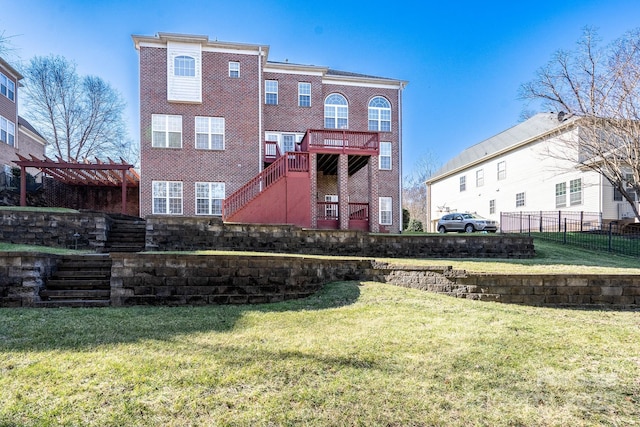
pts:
[331, 207]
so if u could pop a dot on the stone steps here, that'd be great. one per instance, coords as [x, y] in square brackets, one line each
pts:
[79, 281]
[73, 303]
[127, 234]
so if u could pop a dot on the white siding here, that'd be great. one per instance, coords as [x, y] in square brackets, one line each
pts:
[183, 88]
[532, 169]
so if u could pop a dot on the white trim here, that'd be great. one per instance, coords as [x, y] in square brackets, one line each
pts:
[268, 69]
[360, 83]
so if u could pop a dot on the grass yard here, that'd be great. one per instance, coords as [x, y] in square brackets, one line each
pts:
[356, 354]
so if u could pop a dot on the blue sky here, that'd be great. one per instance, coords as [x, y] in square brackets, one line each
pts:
[464, 60]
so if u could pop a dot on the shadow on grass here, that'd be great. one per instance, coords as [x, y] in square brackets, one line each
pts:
[85, 328]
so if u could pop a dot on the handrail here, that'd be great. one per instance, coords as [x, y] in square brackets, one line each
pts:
[329, 211]
[292, 162]
[271, 150]
[340, 140]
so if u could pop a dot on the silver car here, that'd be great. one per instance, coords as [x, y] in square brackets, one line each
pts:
[466, 222]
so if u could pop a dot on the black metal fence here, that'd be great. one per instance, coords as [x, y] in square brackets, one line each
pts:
[583, 229]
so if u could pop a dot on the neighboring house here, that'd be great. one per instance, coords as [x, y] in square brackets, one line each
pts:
[17, 136]
[217, 119]
[520, 170]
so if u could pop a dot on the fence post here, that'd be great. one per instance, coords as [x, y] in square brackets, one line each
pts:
[529, 233]
[540, 221]
[520, 222]
[564, 235]
[559, 221]
[581, 220]
[610, 235]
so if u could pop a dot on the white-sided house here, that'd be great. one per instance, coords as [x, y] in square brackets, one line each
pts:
[520, 170]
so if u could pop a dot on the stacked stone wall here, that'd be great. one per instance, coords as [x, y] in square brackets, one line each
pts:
[187, 279]
[71, 230]
[194, 233]
[564, 290]
[174, 279]
[22, 276]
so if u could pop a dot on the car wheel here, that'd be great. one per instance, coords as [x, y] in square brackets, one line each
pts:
[441, 229]
[469, 228]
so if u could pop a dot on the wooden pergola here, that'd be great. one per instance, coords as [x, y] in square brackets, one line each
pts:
[100, 174]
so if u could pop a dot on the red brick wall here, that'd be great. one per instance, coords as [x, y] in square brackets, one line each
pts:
[234, 99]
[239, 101]
[287, 116]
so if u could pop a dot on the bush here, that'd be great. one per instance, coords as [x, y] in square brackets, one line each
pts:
[414, 225]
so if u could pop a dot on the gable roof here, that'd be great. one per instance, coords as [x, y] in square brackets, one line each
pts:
[522, 133]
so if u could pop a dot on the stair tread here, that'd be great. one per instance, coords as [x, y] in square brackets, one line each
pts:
[73, 303]
[69, 292]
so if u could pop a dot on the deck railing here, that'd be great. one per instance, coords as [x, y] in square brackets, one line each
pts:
[329, 211]
[271, 150]
[292, 162]
[340, 140]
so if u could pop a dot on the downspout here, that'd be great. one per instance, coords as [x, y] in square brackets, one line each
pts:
[260, 133]
[427, 226]
[400, 152]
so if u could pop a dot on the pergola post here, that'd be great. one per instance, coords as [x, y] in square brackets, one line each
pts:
[124, 192]
[23, 186]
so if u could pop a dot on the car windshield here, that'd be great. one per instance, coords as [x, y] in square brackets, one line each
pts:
[471, 216]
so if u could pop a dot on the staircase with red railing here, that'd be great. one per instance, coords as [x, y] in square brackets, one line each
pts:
[285, 165]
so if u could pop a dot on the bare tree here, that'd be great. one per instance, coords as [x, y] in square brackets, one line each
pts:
[81, 117]
[5, 44]
[414, 190]
[600, 86]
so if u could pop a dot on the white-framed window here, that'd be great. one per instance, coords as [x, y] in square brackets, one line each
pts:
[575, 192]
[385, 205]
[234, 69]
[7, 132]
[166, 131]
[167, 197]
[384, 161]
[7, 87]
[492, 206]
[617, 195]
[561, 195]
[288, 142]
[336, 112]
[184, 66]
[479, 177]
[210, 133]
[209, 198]
[463, 183]
[502, 170]
[304, 94]
[379, 114]
[271, 92]
[520, 199]
[331, 208]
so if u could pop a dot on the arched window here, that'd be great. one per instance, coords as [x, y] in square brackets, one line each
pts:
[336, 112]
[184, 66]
[379, 114]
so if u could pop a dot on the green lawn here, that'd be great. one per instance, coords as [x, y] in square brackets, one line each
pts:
[361, 354]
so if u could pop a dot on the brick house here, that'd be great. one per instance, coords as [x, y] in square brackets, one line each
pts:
[17, 136]
[226, 132]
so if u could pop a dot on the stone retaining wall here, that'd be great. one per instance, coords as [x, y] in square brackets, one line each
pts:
[22, 275]
[187, 279]
[196, 233]
[55, 229]
[177, 279]
[566, 290]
